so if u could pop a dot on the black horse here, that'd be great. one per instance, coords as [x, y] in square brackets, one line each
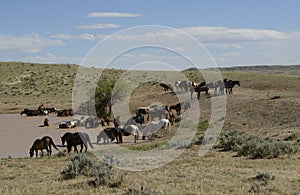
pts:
[202, 87]
[110, 134]
[138, 119]
[75, 139]
[229, 85]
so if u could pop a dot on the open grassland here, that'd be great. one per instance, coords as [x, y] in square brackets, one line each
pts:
[266, 105]
[216, 173]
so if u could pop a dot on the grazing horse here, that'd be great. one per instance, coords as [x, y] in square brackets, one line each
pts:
[131, 130]
[65, 112]
[230, 84]
[110, 134]
[30, 112]
[40, 144]
[74, 139]
[154, 126]
[166, 87]
[202, 87]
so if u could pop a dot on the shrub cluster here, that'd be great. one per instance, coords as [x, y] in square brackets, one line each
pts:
[260, 182]
[255, 147]
[100, 170]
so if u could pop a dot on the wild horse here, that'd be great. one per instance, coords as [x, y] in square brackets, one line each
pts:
[75, 139]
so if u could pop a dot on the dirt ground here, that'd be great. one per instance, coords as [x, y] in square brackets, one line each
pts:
[19, 132]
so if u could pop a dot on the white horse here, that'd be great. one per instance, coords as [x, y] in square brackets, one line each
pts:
[131, 130]
[155, 126]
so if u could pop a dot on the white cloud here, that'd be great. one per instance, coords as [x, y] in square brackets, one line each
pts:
[111, 15]
[51, 58]
[234, 35]
[31, 43]
[85, 36]
[98, 26]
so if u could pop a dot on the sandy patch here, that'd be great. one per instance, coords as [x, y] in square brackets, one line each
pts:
[19, 132]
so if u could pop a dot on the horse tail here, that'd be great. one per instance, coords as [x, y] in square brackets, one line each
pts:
[89, 141]
[52, 143]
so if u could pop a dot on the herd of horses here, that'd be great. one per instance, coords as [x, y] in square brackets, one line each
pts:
[219, 87]
[109, 134]
[134, 126]
[42, 110]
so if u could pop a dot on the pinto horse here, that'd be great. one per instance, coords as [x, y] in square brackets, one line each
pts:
[202, 87]
[40, 144]
[75, 139]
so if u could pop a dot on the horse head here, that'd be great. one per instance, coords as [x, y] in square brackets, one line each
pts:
[31, 152]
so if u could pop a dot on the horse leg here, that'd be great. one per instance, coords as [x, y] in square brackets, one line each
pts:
[198, 95]
[47, 151]
[69, 148]
[36, 153]
[81, 147]
[75, 148]
[86, 146]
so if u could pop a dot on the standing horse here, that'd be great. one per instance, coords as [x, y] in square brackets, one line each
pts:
[176, 107]
[230, 84]
[40, 144]
[202, 87]
[110, 134]
[172, 115]
[219, 84]
[74, 139]
[131, 130]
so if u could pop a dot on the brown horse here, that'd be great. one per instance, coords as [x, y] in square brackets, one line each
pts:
[30, 112]
[172, 115]
[41, 144]
[176, 107]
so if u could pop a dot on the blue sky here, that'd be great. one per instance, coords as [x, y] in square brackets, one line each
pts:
[233, 32]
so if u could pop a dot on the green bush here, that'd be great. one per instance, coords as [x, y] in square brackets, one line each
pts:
[101, 171]
[255, 147]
